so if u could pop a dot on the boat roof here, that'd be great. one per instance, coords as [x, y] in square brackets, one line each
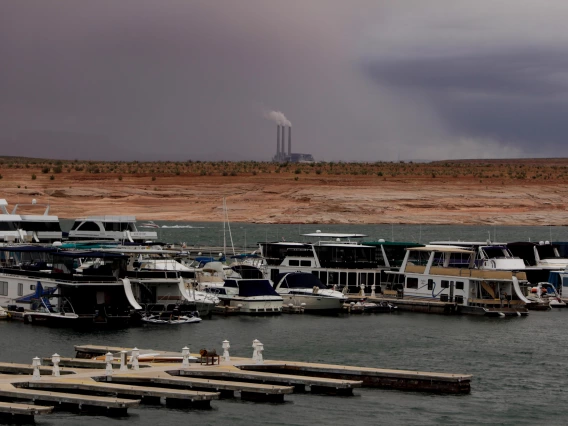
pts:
[40, 217]
[391, 243]
[10, 217]
[468, 243]
[138, 250]
[108, 218]
[441, 249]
[332, 243]
[334, 235]
[28, 248]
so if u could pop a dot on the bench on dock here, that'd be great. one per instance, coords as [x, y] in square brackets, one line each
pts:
[208, 356]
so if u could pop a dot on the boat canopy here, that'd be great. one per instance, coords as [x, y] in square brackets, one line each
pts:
[251, 288]
[300, 280]
[441, 249]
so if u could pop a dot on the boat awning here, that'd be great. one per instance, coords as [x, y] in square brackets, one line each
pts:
[91, 254]
[334, 235]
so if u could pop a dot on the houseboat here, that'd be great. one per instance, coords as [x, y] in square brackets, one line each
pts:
[113, 228]
[449, 275]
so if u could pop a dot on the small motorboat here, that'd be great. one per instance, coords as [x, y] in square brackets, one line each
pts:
[544, 296]
[173, 317]
[158, 319]
[149, 224]
[3, 313]
[363, 306]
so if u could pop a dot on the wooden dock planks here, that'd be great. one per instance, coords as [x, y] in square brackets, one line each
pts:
[107, 387]
[204, 383]
[23, 409]
[10, 391]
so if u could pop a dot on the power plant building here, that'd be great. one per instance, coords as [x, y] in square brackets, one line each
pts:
[288, 157]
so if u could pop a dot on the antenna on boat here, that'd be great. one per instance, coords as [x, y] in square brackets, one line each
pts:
[228, 225]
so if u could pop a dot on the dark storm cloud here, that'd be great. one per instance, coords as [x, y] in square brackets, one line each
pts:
[503, 95]
[363, 80]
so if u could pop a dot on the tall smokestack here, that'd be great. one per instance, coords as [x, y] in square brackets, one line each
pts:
[283, 140]
[277, 141]
[289, 141]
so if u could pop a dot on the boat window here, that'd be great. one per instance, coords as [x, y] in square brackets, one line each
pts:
[445, 284]
[363, 278]
[395, 254]
[430, 284]
[294, 262]
[545, 251]
[371, 279]
[333, 278]
[75, 225]
[323, 277]
[305, 263]
[377, 278]
[459, 285]
[250, 288]
[342, 278]
[274, 275]
[411, 282]
[230, 283]
[20, 289]
[496, 252]
[88, 226]
[316, 274]
[7, 226]
[3, 288]
[32, 287]
[352, 278]
[41, 226]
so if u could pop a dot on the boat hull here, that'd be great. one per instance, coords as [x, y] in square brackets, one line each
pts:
[252, 306]
[314, 304]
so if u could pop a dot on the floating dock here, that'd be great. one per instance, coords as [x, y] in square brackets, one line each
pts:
[180, 380]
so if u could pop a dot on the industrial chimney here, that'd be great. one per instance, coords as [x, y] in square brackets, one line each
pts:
[277, 141]
[283, 140]
[290, 141]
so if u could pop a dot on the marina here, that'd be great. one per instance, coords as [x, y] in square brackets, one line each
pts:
[184, 381]
[353, 372]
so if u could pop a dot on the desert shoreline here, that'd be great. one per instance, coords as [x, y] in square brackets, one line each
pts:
[432, 193]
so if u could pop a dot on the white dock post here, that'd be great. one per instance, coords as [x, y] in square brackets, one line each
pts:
[255, 343]
[134, 358]
[373, 290]
[185, 355]
[259, 349]
[55, 360]
[226, 346]
[36, 362]
[123, 366]
[108, 359]
[362, 290]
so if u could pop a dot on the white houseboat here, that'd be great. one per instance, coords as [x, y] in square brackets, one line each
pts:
[449, 274]
[113, 228]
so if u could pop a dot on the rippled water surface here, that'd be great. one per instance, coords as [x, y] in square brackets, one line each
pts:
[519, 364]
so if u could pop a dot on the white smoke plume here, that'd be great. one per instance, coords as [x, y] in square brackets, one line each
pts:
[278, 117]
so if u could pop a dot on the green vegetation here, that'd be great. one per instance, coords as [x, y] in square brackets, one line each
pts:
[529, 170]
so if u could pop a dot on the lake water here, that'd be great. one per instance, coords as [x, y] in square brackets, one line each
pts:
[519, 364]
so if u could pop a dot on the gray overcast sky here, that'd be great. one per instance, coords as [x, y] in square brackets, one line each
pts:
[360, 80]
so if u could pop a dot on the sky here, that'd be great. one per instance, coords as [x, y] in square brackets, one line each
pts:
[359, 80]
